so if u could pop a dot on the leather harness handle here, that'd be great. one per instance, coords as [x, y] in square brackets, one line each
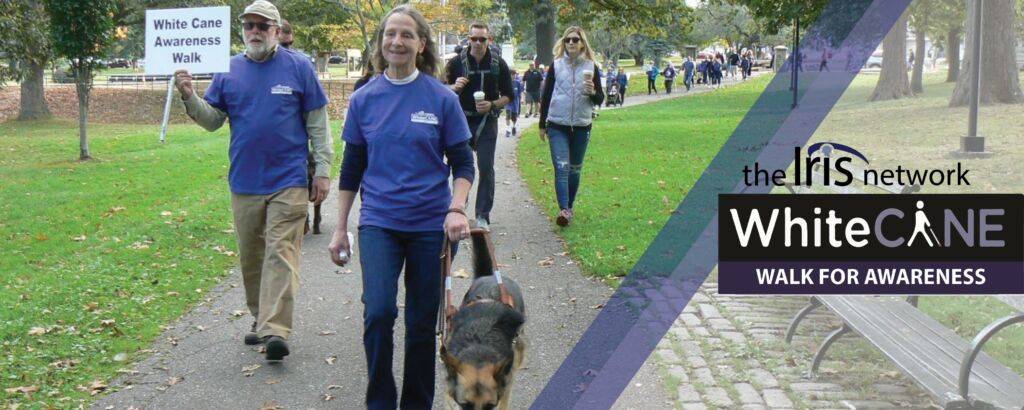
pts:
[448, 309]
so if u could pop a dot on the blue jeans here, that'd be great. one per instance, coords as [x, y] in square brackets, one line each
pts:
[383, 253]
[568, 146]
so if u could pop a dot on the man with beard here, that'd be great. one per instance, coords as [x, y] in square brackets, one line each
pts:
[276, 108]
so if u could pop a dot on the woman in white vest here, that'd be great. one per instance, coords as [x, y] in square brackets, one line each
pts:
[572, 89]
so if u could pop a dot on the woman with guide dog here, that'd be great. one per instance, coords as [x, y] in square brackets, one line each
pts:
[400, 127]
[570, 94]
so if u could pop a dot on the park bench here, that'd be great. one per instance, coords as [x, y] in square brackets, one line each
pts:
[955, 372]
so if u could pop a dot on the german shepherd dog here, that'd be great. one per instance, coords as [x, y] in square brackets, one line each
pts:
[310, 173]
[486, 343]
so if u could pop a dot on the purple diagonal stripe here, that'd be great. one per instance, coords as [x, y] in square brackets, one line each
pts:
[641, 311]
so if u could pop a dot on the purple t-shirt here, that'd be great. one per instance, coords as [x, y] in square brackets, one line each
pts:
[406, 129]
[265, 103]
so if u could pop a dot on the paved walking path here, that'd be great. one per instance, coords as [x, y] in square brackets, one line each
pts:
[200, 361]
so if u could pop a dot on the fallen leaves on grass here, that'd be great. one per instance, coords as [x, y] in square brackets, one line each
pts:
[37, 331]
[139, 245]
[221, 249]
[64, 364]
[79, 238]
[91, 306]
[249, 370]
[94, 388]
[22, 390]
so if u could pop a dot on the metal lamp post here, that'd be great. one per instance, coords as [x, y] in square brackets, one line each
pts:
[973, 146]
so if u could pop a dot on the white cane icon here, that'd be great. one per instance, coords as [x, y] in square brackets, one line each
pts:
[923, 227]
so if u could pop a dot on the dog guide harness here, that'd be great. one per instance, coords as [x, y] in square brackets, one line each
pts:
[448, 310]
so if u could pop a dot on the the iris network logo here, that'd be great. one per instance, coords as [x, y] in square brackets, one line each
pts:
[829, 236]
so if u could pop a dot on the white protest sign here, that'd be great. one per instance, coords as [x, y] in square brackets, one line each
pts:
[196, 39]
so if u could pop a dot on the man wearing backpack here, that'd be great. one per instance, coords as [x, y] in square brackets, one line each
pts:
[479, 68]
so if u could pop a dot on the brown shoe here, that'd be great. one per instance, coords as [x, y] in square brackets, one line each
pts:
[564, 217]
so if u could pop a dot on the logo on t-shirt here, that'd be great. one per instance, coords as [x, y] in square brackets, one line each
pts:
[281, 89]
[424, 118]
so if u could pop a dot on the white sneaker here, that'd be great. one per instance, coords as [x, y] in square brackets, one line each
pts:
[483, 224]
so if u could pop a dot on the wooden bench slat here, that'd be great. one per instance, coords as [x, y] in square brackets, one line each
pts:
[926, 350]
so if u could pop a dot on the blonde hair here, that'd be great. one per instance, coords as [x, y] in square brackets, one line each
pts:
[586, 52]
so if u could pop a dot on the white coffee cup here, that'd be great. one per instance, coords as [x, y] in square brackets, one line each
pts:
[588, 75]
[478, 96]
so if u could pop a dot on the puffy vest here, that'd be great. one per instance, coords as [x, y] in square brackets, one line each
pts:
[569, 106]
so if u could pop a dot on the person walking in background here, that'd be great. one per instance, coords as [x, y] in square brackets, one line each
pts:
[481, 69]
[652, 78]
[746, 65]
[716, 73]
[688, 69]
[399, 129]
[705, 72]
[567, 105]
[270, 137]
[512, 109]
[623, 81]
[825, 55]
[670, 77]
[610, 78]
[286, 37]
[533, 78]
[734, 63]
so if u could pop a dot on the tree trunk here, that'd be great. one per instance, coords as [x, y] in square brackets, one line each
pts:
[33, 101]
[83, 84]
[916, 82]
[1000, 81]
[638, 60]
[544, 12]
[953, 54]
[893, 83]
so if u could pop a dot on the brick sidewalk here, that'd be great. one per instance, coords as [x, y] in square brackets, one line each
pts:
[730, 352]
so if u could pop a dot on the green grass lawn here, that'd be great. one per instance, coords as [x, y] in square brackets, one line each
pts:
[99, 255]
[642, 161]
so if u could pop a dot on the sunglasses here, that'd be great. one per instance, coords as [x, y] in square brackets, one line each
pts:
[249, 26]
[571, 40]
[478, 39]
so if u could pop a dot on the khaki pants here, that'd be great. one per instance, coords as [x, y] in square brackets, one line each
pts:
[269, 231]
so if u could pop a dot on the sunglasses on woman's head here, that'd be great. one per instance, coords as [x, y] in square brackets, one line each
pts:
[572, 40]
[248, 25]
